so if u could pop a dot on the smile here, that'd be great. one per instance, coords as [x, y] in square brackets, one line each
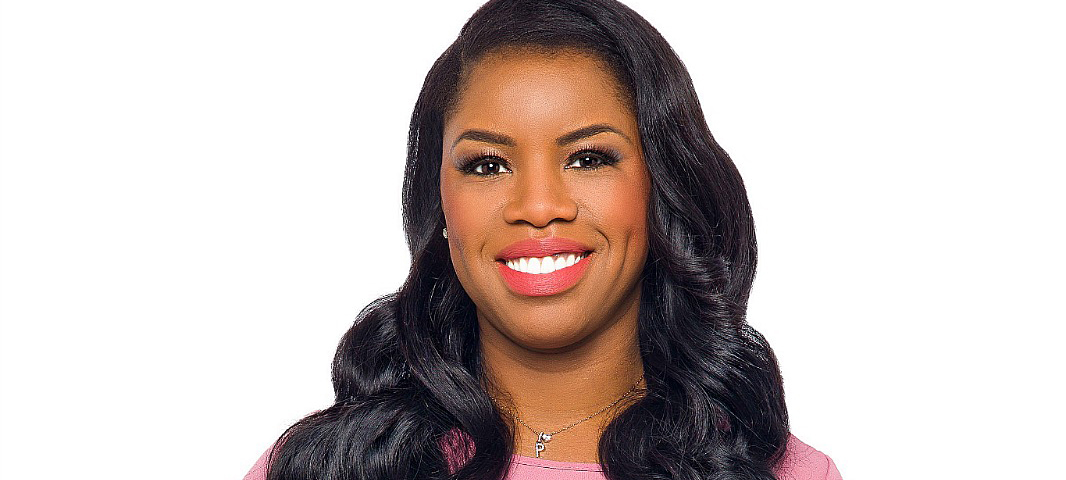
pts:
[537, 267]
[544, 265]
[560, 278]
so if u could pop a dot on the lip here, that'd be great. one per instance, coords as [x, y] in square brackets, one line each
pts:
[543, 284]
[541, 247]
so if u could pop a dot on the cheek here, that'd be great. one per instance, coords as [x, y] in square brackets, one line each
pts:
[466, 216]
[624, 209]
[455, 204]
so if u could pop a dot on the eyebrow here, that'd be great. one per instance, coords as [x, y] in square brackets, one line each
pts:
[585, 132]
[485, 136]
[501, 139]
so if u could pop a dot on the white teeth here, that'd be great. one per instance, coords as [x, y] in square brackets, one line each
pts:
[541, 265]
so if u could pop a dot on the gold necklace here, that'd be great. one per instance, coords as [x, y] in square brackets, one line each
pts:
[544, 437]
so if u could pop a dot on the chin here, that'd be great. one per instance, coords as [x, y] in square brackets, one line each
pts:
[543, 335]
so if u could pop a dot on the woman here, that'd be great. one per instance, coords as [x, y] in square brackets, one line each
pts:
[582, 252]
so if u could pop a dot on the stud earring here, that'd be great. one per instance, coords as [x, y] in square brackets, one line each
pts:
[446, 232]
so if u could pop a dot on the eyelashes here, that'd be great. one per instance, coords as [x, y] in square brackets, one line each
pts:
[589, 157]
[484, 164]
[595, 157]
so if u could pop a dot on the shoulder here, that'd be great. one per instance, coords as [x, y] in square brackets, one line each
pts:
[259, 470]
[803, 462]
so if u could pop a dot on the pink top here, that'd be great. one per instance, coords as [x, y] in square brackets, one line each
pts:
[801, 462]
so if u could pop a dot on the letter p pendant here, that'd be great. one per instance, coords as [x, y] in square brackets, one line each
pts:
[542, 438]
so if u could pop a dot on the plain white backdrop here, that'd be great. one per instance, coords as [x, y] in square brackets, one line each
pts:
[198, 197]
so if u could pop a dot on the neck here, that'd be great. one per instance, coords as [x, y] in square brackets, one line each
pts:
[550, 390]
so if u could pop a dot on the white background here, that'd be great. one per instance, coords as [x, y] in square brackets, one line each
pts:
[198, 197]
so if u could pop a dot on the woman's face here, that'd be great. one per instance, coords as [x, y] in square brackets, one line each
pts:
[545, 194]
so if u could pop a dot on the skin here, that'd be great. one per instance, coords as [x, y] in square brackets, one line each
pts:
[552, 359]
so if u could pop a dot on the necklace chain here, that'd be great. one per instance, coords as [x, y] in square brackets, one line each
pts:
[544, 437]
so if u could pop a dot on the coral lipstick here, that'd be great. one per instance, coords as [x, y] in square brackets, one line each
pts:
[530, 251]
[542, 247]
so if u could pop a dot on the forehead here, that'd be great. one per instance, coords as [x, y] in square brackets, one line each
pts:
[527, 90]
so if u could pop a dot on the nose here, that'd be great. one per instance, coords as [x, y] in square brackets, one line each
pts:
[540, 197]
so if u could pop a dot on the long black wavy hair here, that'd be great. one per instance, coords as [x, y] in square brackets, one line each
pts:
[407, 374]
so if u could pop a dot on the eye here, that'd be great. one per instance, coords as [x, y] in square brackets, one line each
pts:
[591, 159]
[490, 168]
[485, 166]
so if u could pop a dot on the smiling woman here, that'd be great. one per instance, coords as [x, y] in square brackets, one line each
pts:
[561, 177]
[582, 253]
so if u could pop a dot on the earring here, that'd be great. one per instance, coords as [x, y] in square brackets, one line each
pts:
[445, 232]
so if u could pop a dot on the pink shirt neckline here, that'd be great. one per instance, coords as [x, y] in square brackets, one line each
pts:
[801, 462]
[556, 465]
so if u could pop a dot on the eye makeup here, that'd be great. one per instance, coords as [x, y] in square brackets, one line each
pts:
[469, 164]
[599, 156]
[606, 156]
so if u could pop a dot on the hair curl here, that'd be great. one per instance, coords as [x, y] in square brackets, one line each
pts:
[406, 375]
